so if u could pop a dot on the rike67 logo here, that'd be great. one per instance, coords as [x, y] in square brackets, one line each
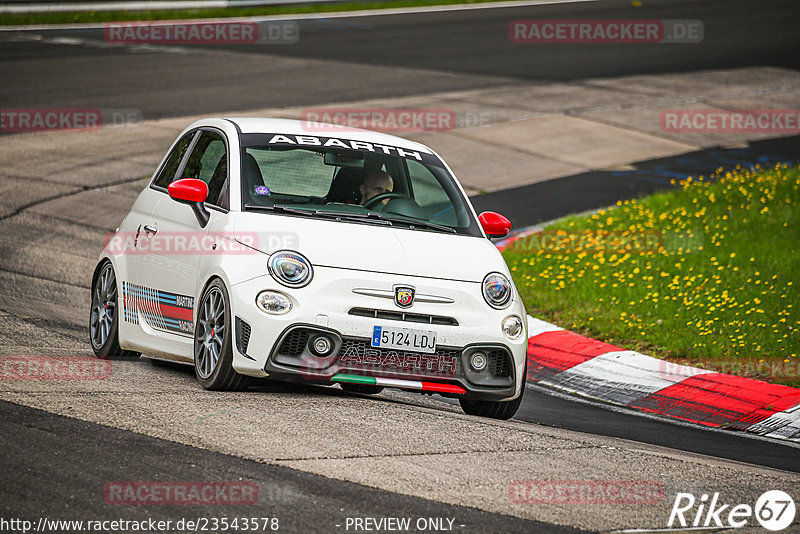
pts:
[774, 510]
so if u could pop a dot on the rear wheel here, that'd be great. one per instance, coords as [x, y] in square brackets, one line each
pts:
[361, 388]
[103, 316]
[213, 352]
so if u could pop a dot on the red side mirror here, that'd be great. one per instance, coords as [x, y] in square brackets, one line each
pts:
[188, 190]
[193, 192]
[494, 224]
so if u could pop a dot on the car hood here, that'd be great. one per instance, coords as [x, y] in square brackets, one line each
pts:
[369, 247]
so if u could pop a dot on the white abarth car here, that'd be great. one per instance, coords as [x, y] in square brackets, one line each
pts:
[309, 252]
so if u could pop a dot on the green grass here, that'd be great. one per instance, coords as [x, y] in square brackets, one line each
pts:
[712, 282]
[7, 19]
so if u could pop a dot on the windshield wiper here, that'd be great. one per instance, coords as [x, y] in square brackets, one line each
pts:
[277, 207]
[390, 220]
[420, 224]
[376, 217]
[359, 217]
[370, 215]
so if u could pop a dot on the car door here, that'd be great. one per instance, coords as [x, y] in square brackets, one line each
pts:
[169, 273]
[134, 233]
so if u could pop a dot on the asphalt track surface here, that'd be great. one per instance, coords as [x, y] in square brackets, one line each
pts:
[381, 56]
[83, 458]
[348, 59]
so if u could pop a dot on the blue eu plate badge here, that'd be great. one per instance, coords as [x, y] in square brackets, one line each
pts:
[376, 336]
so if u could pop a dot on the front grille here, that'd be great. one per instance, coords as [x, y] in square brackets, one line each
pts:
[403, 316]
[499, 363]
[294, 343]
[242, 335]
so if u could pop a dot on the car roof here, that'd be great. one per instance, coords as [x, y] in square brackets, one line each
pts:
[295, 127]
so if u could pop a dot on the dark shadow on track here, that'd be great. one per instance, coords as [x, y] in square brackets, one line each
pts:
[477, 41]
[54, 479]
[546, 409]
[545, 201]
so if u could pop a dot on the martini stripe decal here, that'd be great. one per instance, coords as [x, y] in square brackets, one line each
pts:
[161, 310]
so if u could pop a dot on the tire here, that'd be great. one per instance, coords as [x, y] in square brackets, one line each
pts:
[361, 388]
[213, 342]
[104, 316]
[496, 409]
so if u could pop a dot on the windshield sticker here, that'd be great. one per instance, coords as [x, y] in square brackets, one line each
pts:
[332, 142]
[262, 190]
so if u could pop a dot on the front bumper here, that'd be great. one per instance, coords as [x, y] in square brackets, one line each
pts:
[292, 359]
[278, 345]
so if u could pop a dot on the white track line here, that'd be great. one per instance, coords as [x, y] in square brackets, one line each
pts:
[311, 16]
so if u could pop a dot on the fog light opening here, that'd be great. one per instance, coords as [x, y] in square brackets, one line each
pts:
[321, 345]
[512, 327]
[273, 302]
[478, 361]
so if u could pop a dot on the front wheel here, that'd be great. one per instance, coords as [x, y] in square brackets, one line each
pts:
[496, 409]
[493, 409]
[104, 316]
[213, 352]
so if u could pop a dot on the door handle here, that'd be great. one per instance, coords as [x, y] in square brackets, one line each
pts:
[150, 230]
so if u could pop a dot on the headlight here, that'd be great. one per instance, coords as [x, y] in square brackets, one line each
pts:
[497, 290]
[512, 327]
[290, 268]
[274, 302]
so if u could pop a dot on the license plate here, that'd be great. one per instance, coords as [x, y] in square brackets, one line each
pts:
[386, 337]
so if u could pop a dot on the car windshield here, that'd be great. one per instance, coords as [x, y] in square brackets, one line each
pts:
[352, 181]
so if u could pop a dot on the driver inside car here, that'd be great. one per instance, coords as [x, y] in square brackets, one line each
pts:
[375, 183]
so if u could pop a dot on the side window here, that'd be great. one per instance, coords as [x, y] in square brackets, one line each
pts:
[167, 173]
[394, 167]
[209, 162]
[430, 194]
